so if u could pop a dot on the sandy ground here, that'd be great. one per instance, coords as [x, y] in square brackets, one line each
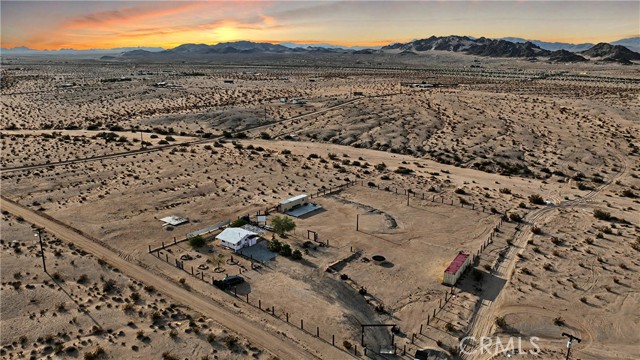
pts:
[488, 139]
[82, 305]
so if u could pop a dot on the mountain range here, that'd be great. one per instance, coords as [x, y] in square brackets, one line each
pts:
[504, 47]
[23, 50]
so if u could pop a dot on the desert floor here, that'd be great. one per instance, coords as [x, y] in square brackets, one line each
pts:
[110, 158]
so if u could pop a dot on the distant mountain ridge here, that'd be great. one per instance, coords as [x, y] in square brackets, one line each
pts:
[610, 52]
[505, 48]
[480, 46]
[23, 50]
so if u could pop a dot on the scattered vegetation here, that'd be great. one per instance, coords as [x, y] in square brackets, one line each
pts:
[197, 241]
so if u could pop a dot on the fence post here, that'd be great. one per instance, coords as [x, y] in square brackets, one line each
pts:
[301, 324]
[317, 331]
[166, 257]
[247, 298]
[333, 340]
[287, 317]
[420, 330]
[259, 304]
[149, 248]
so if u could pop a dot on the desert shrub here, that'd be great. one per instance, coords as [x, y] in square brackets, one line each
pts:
[559, 321]
[285, 152]
[265, 136]
[601, 215]
[230, 341]
[536, 230]
[239, 222]
[197, 241]
[536, 199]
[163, 142]
[211, 338]
[380, 167]
[628, 193]
[296, 254]
[135, 296]
[459, 191]
[82, 279]
[275, 245]
[98, 353]
[169, 138]
[450, 327]
[515, 217]
[501, 322]
[285, 250]
[168, 356]
[505, 191]
[347, 345]
[403, 170]
[584, 187]
[109, 285]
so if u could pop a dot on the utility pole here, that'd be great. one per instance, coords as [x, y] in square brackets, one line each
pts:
[571, 338]
[39, 235]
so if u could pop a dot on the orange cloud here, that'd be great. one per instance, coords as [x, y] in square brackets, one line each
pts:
[128, 15]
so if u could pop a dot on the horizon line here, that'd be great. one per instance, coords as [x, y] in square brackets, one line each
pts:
[378, 43]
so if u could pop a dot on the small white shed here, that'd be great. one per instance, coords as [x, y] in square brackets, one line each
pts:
[237, 238]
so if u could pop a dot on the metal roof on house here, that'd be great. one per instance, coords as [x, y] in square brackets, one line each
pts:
[457, 263]
[295, 198]
[174, 220]
[234, 235]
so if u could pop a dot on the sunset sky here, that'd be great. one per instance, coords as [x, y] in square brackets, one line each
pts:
[107, 24]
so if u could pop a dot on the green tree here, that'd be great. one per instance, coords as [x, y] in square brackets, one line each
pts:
[282, 224]
[197, 241]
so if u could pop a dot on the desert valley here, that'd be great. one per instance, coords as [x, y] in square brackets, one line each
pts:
[527, 163]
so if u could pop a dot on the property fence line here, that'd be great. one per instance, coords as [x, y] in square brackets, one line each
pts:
[280, 314]
[436, 198]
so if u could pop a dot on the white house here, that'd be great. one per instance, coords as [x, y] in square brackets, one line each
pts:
[237, 238]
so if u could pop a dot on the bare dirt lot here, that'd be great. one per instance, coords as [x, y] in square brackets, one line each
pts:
[533, 168]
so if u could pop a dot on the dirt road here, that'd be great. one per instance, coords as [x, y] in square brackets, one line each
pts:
[304, 347]
[165, 147]
[483, 320]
